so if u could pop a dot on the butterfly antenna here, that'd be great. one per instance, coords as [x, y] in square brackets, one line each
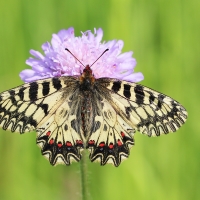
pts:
[99, 57]
[74, 56]
[80, 61]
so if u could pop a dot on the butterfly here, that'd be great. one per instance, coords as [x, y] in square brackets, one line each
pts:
[72, 113]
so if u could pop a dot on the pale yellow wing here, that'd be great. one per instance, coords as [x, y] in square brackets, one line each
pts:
[111, 137]
[151, 112]
[123, 108]
[43, 106]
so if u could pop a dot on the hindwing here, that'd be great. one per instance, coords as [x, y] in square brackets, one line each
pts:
[111, 138]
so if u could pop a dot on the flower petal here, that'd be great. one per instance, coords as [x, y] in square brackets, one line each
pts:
[87, 48]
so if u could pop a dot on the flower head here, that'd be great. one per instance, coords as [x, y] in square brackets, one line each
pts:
[57, 62]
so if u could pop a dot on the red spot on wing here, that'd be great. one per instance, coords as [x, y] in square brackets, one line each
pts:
[102, 144]
[59, 144]
[111, 146]
[122, 134]
[48, 133]
[91, 142]
[69, 144]
[79, 142]
[119, 143]
[51, 141]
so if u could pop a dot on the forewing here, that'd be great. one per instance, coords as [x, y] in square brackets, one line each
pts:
[23, 107]
[151, 112]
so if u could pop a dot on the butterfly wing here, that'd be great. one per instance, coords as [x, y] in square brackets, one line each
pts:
[44, 106]
[59, 135]
[126, 107]
[151, 112]
[111, 138]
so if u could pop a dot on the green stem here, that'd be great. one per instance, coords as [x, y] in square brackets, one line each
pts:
[84, 182]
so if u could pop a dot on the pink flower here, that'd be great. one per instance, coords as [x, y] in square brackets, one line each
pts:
[57, 62]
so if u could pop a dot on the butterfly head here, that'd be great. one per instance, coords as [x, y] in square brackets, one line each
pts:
[87, 79]
[87, 71]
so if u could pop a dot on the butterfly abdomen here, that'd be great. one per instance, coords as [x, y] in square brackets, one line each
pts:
[85, 112]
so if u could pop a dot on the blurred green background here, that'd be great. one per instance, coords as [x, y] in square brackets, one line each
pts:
[164, 35]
